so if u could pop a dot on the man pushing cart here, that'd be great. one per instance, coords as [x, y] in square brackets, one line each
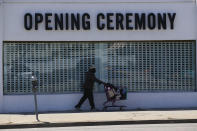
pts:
[112, 93]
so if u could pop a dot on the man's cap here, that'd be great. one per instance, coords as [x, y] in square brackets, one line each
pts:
[92, 67]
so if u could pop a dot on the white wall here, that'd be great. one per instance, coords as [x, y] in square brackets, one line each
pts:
[1, 43]
[25, 103]
[98, 1]
[185, 29]
[184, 22]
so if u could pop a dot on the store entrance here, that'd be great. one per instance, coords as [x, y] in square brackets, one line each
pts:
[143, 66]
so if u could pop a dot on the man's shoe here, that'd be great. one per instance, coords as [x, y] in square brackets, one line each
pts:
[77, 108]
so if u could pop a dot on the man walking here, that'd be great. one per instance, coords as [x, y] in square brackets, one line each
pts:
[88, 88]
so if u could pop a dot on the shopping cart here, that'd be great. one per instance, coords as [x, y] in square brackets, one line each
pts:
[114, 94]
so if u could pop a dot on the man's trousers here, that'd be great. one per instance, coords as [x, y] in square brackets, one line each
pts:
[88, 93]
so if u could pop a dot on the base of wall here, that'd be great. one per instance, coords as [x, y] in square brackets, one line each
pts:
[64, 102]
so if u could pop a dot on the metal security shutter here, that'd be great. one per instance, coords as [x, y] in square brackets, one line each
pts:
[145, 66]
[60, 67]
[152, 66]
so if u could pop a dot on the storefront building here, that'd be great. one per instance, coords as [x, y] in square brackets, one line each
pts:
[147, 46]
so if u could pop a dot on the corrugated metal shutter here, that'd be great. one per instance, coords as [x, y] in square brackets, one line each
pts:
[139, 66]
[152, 66]
[60, 67]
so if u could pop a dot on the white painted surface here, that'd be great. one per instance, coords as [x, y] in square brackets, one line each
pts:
[184, 22]
[97, 1]
[63, 102]
[1, 42]
[185, 29]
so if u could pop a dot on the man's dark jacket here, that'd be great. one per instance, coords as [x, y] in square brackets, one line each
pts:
[90, 79]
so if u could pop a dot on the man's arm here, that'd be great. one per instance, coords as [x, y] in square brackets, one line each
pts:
[99, 81]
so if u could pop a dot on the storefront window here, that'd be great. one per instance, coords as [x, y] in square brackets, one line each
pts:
[61, 66]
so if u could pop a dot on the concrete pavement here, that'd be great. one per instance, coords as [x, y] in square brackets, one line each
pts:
[73, 118]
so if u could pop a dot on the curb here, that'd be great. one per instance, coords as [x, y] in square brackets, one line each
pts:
[44, 125]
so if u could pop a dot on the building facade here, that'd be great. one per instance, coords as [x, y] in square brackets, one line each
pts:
[147, 46]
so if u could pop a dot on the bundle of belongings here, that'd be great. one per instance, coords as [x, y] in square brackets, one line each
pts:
[115, 93]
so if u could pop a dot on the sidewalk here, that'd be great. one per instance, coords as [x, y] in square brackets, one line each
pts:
[97, 118]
